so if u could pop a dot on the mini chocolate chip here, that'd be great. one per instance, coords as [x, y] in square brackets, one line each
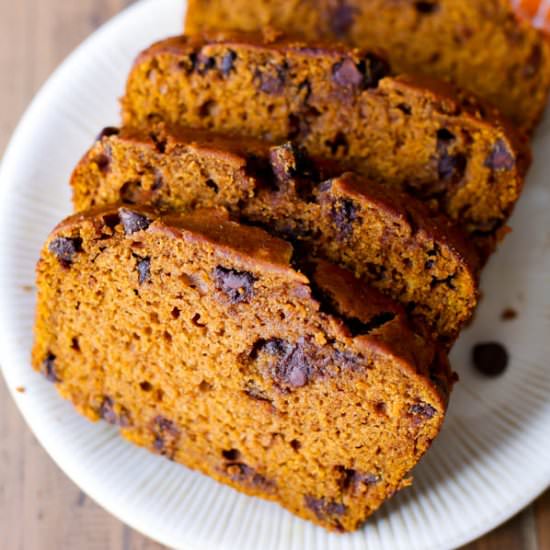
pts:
[423, 410]
[500, 157]
[344, 212]
[211, 184]
[354, 480]
[341, 18]
[346, 73]
[405, 108]
[490, 358]
[166, 435]
[227, 62]
[237, 285]
[107, 412]
[204, 63]
[160, 143]
[65, 248]
[133, 221]
[338, 142]
[103, 162]
[48, 368]
[445, 135]
[144, 270]
[108, 131]
[426, 8]
[448, 281]
[324, 508]
[429, 264]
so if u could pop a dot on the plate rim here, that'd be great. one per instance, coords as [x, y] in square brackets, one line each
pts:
[40, 100]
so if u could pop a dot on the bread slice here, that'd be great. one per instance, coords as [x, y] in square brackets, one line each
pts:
[391, 240]
[482, 46]
[427, 139]
[182, 329]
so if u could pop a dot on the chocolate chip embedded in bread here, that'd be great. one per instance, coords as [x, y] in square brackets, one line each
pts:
[133, 221]
[144, 270]
[237, 285]
[344, 212]
[65, 248]
[227, 62]
[48, 368]
[108, 131]
[346, 73]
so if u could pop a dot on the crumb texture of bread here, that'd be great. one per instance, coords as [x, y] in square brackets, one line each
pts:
[387, 238]
[480, 45]
[437, 143]
[180, 329]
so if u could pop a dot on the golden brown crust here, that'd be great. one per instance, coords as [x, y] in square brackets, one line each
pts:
[181, 329]
[486, 47]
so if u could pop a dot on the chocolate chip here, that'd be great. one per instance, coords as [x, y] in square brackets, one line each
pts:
[237, 285]
[48, 368]
[490, 358]
[65, 248]
[324, 508]
[405, 108]
[108, 132]
[159, 142]
[344, 212]
[292, 362]
[346, 73]
[500, 157]
[166, 435]
[341, 18]
[246, 475]
[103, 162]
[144, 270]
[227, 62]
[445, 135]
[426, 8]
[107, 413]
[429, 264]
[422, 410]
[204, 63]
[260, 168]
[133, 221]
[272, 79]
[355, 481]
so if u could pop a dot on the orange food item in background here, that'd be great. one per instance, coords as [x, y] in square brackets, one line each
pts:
[538, 11]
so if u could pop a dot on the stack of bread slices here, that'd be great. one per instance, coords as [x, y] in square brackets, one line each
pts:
[271, 258]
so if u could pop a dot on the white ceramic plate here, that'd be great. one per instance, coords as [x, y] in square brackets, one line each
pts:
[492, 458]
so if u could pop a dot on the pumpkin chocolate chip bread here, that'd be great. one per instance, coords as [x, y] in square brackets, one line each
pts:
[481, 45]
[342, 104]
[181, 329]
[383, 236]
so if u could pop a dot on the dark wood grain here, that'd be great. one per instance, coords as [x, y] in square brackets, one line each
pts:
[40, 508]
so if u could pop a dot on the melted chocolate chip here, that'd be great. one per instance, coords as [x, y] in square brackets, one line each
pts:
[341, 18]
[144, 270]
[204, 63]
[133, 221]
[490, 358]
[108, 132]
[237, 285]
[48, 368]
[374, 69]
[343, 213]
[103, 162]
[451, 167]
[500, 157]
[65, 248]
[293, 364]
[227, 62]
[324, 508]
[422, 410]
[131, 192]
[346, 73]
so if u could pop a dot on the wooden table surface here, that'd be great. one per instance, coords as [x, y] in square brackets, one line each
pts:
[40, 509]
